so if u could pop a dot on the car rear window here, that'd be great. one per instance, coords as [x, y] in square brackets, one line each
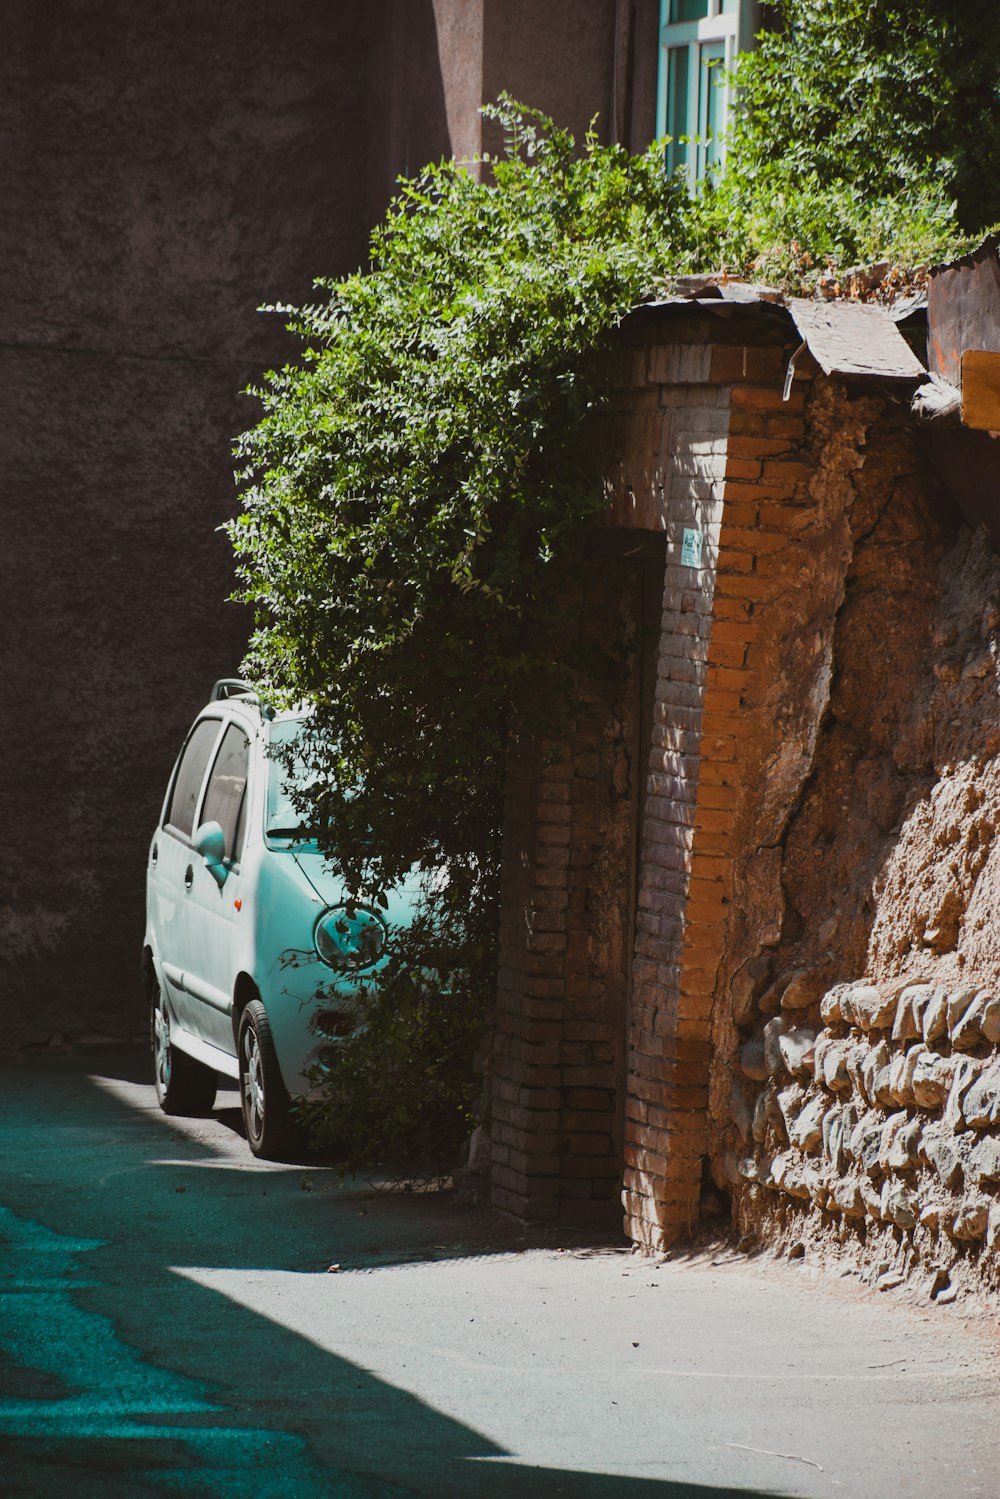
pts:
[191, 774]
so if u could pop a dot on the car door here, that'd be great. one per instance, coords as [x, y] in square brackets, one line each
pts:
[171, 858]
[210, 908]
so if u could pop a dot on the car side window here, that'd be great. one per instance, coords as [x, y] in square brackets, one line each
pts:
[227, 789]
[190, 775]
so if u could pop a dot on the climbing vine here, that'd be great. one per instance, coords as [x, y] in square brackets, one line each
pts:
[407, 497]
[410, 490]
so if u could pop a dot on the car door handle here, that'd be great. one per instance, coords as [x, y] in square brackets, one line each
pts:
[155, 854]
[188, 877]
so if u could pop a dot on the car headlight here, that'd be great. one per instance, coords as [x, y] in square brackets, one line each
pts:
[350, 937]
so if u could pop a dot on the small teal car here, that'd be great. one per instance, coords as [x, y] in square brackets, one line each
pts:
[254, 954]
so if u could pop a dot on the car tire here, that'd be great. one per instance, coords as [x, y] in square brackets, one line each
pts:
[264, 1098]
[183, 1086]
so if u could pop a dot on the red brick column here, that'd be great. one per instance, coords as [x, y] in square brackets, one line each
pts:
[696, 786]
[590, 1027]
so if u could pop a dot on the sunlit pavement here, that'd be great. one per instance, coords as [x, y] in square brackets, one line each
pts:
[170, 1325]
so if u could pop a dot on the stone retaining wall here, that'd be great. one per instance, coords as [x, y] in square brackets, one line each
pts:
[886, 1116]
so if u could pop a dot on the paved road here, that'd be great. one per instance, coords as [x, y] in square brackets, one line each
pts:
[170, 1327]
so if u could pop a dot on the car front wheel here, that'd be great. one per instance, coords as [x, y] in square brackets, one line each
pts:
[263, 1096]
[183, 1086]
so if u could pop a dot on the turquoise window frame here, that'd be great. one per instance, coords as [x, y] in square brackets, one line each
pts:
[693, 92]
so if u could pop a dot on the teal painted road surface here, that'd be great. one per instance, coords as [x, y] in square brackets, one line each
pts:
[170, 1325]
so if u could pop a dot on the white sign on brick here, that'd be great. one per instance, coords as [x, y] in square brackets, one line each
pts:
[691, 548]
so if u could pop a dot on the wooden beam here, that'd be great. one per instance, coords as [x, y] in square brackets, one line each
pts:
[981, 390]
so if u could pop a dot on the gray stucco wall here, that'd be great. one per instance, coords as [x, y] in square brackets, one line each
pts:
[164, 171]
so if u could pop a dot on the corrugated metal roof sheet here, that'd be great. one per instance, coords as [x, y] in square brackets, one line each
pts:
[854, 339]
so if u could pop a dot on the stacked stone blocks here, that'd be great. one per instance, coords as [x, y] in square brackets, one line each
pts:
[887, 1115]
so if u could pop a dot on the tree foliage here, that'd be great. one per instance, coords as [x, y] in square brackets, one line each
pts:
[408, 493]
[410, 490]
[863, 131]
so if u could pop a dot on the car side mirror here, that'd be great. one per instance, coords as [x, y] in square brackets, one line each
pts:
[210, 842]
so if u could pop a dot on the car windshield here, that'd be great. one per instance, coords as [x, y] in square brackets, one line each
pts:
[287, 775]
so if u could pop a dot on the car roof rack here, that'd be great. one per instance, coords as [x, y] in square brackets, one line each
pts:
[227, 687]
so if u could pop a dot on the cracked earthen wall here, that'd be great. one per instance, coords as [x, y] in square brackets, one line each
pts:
[861, 1118]
[810, 1013]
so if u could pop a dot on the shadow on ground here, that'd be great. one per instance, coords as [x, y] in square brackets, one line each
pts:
[119, 1376]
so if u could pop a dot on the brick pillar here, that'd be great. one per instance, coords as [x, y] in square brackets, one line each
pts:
[665, 1127]
[698, 439]
[696, 789]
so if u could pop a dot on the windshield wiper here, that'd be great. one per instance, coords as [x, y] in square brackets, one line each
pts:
[298, 833]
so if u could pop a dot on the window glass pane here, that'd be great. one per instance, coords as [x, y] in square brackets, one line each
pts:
[688, 10]
[729, 7]
[241, 828]
[227, 787]
[677, 106]
[713, 98]
[190, 775]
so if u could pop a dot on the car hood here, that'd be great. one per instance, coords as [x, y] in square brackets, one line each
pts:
[329, 886]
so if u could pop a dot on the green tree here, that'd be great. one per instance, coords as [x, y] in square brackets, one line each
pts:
[407, 497]
[865, 130]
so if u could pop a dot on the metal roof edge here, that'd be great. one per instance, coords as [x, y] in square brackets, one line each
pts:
[853, 340]
[990, 242]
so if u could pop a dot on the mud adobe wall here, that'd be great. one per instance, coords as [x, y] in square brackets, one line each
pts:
[811, 1005]
[855, 1088]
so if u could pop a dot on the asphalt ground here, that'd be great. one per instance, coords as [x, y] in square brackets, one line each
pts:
[170, 1324]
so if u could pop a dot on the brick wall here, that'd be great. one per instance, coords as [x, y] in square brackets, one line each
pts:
[667, 1074]
[558, 1053]
[719, 480]
[621, 1069]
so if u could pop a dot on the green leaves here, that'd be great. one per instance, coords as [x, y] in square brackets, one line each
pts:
[865, 132]
[407, 496]
[411, 478]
